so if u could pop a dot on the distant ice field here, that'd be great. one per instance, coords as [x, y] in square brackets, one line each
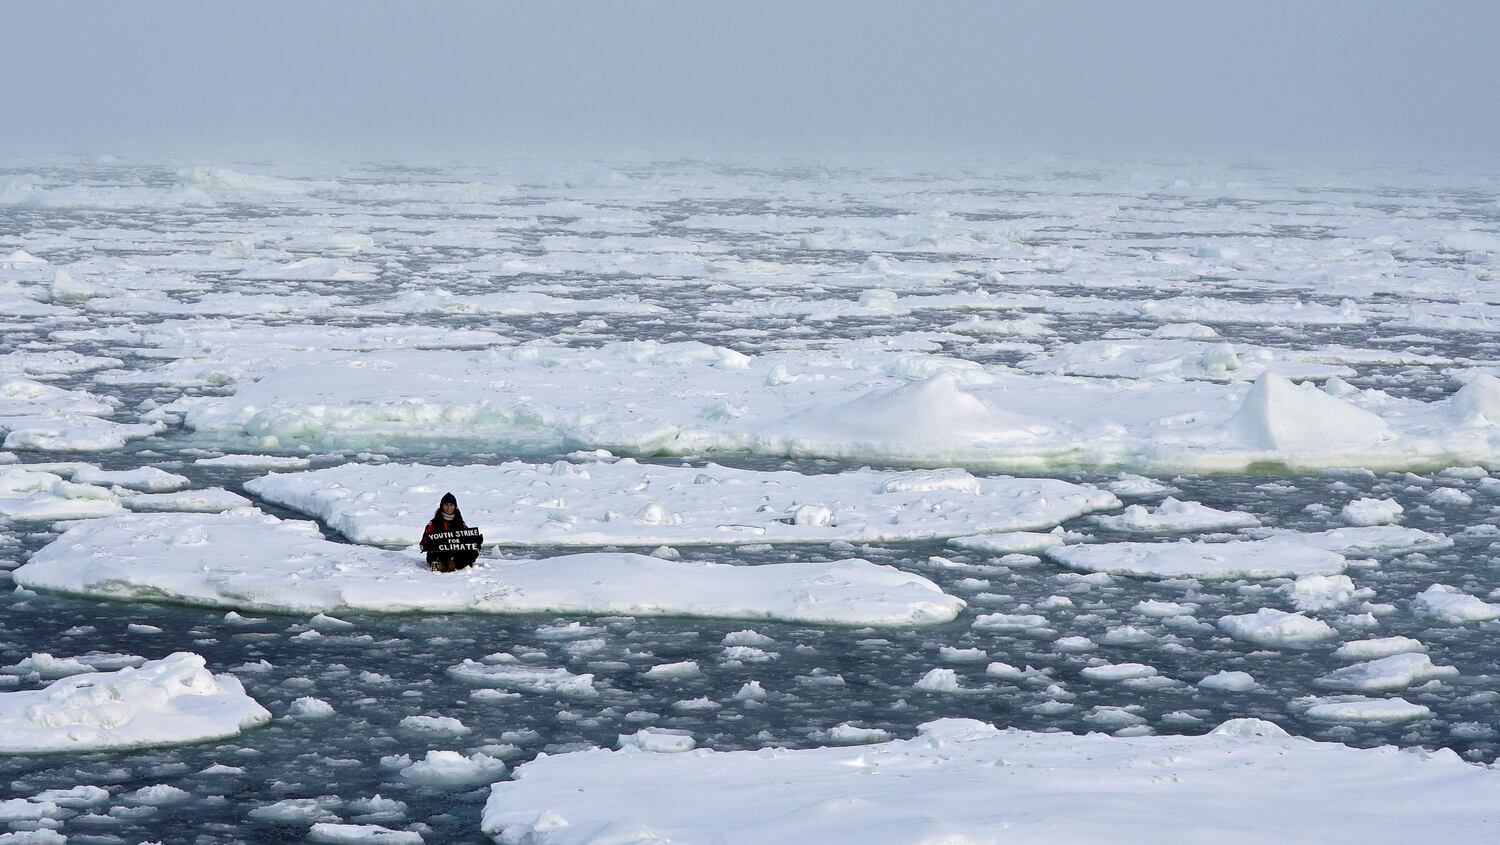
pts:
[1016, 380]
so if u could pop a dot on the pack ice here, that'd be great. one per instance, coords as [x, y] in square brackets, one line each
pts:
[625, 502]
[248, 560]
[961, 781]
[171, 701]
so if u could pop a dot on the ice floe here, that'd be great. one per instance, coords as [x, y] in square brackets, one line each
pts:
[1191, 559]
[651, 398]
[961, 780]
[252, 561]
[172, 701]
[624, 502]
[1282, 554]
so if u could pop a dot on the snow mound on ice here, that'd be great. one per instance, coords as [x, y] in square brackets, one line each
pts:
[171, 701]
[961, 781]
[1476, 403]
[923, 413]
[248, 560]
[1278, 415]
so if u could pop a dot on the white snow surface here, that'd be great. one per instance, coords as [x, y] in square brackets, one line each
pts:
[963, 782]
[171, 701]
[248, 560]
[625, 502]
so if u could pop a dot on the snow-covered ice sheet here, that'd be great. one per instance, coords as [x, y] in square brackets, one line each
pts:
[624, 502]
[856, 404]
[961, 781]
[172, 701]
[252, 561]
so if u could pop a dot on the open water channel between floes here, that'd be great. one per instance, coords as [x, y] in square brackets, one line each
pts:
[381, 669]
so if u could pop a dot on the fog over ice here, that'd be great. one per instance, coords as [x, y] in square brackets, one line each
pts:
[1332, 79]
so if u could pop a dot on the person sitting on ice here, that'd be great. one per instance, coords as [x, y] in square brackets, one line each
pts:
[449, 542]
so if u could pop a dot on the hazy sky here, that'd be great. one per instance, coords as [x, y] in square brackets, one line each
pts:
[1376, 77]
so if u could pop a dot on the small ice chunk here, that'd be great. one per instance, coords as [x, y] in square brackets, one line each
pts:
[1008, 542]
[1074, 644]
[1321, 592]
[1164, 609]
[658, 740]
[1454, 606]
[1008, 621]
[1113, 718]
[361, 834]
[1173, 515]
[435, 725]
[1229, 681]
[308, 707]
[1250, 728]
[298, 810]
[1382, 647]
[1136, 486]
[938, 680]
[450, 768]
[751, 691]
[674, 671]
[1366, 711]
[1449, 497]
[747, 637]
[1384, 674]
[1118, 671]
[1371, 512]
[1271, 627]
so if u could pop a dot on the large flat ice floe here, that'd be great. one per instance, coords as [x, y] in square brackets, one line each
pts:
[248, 560]
[171, 701]
[1285, 554]
[966, 783]
[629, 503]
[852, 403]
